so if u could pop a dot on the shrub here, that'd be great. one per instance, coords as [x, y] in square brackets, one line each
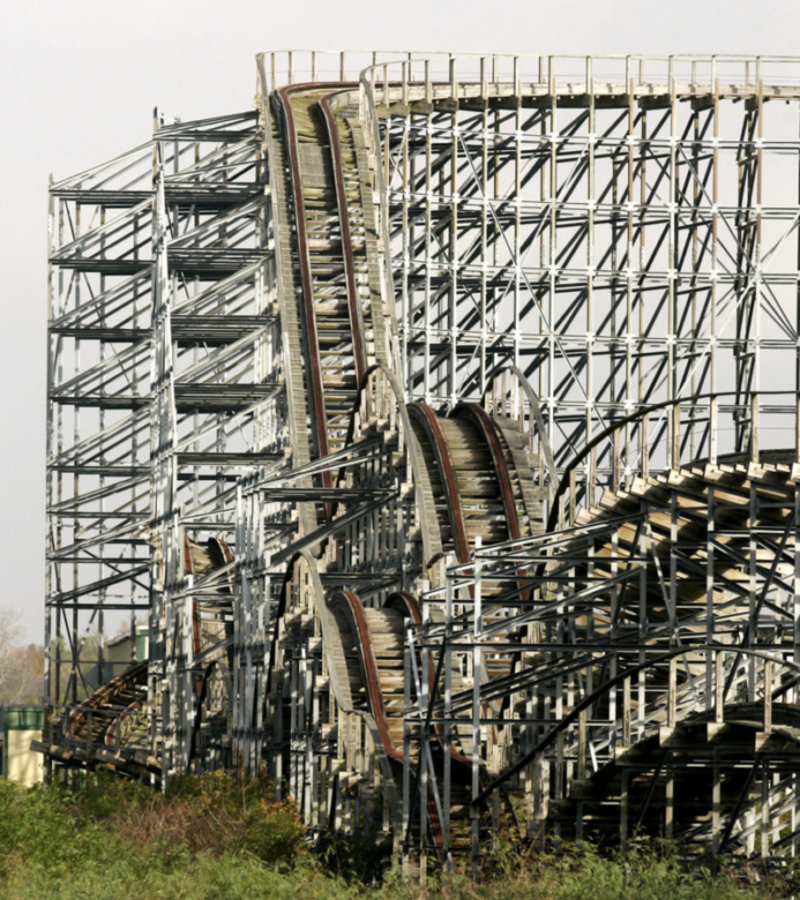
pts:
[274, 833]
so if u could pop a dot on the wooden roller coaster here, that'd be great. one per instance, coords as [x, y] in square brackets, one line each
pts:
[458, 577]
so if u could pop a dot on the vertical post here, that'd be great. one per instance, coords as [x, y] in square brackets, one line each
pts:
[765, 784]
[716, 800]
[626, 713]
[406, 748]
[754, 424]
[589, 303]
[623, 808]
[713, 429]
[484, 236]
[672, 691]
[676, 436]
[476, 711]
[52, 568]
[453, 251]
[448, 699]
[424, 743]
[710, 629]
[669, 806]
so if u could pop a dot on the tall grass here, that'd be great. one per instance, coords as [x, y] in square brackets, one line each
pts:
[215, 838]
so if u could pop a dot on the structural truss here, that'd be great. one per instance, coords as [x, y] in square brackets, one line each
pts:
[439, 420]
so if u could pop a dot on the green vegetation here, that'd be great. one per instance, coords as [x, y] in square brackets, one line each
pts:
[213, 838]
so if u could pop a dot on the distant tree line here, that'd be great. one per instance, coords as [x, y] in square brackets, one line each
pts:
[21, 666]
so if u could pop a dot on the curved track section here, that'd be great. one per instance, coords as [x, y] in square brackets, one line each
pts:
[333, 349]
[479, 498]
[478, 483]
[343, 327]
[367, 647]
[110, 728]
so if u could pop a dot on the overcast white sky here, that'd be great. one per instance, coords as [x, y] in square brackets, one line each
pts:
[79, 80]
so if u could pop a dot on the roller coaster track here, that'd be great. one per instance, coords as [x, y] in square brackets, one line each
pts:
[110, 726]
[475, 476]
[342, 326]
